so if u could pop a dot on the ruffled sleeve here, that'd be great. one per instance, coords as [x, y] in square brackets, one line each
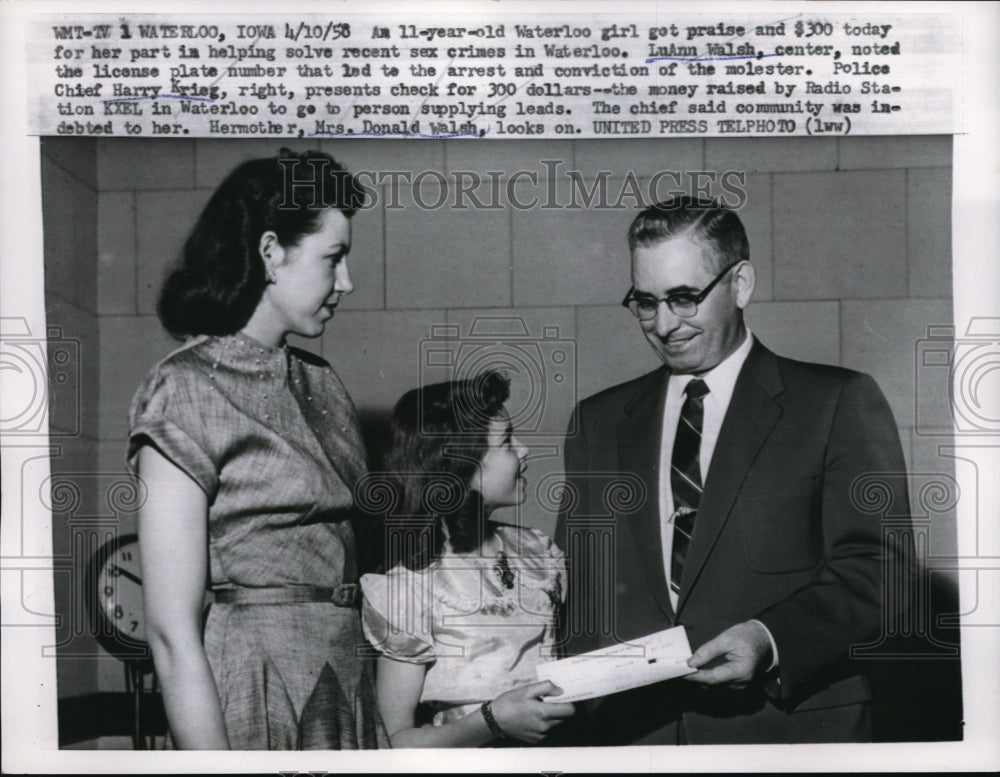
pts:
[558, 560]
[171, 412]
[549, 559]
[397, 615]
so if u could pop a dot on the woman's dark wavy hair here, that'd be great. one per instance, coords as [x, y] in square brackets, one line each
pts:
[438, 436]
[220, 278]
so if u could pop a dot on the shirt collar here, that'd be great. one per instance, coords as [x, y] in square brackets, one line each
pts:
[721, 379]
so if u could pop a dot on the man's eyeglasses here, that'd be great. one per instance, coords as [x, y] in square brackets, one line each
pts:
[683, 304]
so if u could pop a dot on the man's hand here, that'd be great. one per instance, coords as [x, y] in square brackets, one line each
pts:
[733, 657]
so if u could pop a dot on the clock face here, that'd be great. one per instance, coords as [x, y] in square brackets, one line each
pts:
[119, 591]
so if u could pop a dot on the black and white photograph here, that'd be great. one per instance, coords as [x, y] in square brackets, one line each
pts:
[594, 425]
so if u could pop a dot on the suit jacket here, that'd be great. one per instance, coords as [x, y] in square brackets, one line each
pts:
[787, 532]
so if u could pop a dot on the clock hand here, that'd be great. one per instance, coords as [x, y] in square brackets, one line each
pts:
[134, 578]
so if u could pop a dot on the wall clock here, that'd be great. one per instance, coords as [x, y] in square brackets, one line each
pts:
[115, 599]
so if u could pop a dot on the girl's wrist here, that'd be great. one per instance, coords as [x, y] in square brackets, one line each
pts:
[491, 722]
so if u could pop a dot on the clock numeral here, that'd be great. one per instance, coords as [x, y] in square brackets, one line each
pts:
[135, 625]
[108, 591]
[126, 555]
[114, 572]
[119, 612]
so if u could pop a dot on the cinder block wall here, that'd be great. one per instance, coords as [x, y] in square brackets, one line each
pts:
[69, 191]
[851, 238]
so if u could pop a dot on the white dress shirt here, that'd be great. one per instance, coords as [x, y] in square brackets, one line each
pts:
[721, 381]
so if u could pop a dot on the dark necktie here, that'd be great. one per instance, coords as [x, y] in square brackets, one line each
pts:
[685, 476]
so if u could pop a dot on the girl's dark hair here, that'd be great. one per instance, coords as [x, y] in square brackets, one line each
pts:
[438, 436]
[220, 278]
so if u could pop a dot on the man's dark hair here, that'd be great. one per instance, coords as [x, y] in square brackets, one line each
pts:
[708, 220]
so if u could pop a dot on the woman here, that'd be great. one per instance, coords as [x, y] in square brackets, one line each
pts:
[467, 614]
[249, 449]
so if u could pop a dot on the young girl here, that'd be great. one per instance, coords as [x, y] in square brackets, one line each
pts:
[467, 612]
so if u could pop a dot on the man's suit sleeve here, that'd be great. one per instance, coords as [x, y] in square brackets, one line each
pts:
[574, 503]
[573, 460]
[842, 606]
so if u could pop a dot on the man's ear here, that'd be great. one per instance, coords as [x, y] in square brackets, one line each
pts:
[744, 280]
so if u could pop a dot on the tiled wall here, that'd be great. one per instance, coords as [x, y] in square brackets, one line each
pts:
[851, 239]
[69, 185]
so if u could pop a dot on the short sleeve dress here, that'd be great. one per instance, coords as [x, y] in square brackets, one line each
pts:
[480, 622]
[271, 437]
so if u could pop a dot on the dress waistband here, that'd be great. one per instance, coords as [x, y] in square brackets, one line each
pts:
[343, 595]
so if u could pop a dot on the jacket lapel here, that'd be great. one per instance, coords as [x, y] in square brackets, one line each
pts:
[752, 414]
[639, 436]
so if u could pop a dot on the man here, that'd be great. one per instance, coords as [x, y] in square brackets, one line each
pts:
[747, 527]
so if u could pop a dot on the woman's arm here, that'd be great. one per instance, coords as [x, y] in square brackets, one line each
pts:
[520, 713]
[173, 546]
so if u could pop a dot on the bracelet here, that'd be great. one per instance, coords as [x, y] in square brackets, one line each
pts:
[494, 727]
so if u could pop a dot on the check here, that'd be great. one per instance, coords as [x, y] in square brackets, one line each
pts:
[642, 661]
